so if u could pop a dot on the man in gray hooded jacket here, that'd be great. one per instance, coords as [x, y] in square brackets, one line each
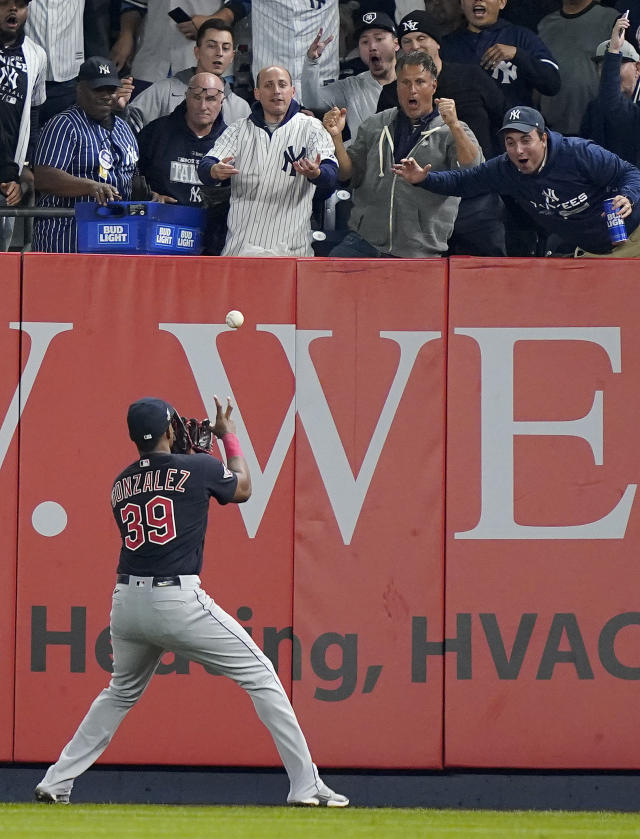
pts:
[387, 219]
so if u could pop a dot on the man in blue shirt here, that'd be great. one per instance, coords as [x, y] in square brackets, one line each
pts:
[561, 182]
[172, 146]
[515, 58]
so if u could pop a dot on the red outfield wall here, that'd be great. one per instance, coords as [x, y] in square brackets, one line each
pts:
[349, 377]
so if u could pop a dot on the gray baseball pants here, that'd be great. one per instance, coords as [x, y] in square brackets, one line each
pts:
[146, 622]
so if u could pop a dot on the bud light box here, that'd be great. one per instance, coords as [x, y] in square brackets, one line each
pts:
[139, 227]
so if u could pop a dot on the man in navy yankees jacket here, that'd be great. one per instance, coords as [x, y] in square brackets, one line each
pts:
[515, 58]
[561, 182]
[172, 146]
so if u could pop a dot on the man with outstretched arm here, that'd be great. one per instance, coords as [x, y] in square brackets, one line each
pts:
[388, 217]
[561, 182]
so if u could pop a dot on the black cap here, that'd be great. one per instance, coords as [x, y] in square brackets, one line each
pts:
[418, 21]
[373, 20]
[99, 72]
[522, 118]
[148, 418]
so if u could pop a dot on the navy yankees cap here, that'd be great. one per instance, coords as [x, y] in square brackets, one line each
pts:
[373, 20]
[148, 418]
[99, 72]
[522, 118]
[418, 21]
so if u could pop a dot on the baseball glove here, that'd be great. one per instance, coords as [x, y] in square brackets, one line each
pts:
[191, 435]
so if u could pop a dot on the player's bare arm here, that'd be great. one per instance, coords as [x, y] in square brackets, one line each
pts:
[410, 170]
[225, 428]
[317, 46]
[334, 121]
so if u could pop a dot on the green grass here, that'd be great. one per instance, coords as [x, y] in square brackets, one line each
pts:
[84, 821]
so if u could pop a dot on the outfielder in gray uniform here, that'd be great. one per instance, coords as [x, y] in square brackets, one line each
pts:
[160, 503]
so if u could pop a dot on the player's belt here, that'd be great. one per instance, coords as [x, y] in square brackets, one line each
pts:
[156, 581]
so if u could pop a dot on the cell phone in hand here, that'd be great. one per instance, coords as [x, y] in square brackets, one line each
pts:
[179, 15]
[624, 16]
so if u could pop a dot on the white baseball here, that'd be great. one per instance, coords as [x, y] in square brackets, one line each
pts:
[234, 319]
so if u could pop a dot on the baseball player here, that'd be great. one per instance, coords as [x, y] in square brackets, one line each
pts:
[276, 158]
[160, 503]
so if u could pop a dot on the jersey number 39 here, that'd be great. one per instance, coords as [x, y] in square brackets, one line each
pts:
[154, 522]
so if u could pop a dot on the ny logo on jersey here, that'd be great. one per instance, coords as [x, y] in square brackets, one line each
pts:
[550, 197]
[509, 72]
[8, 76]
[195, 197]
[290, 157]
[316, 4]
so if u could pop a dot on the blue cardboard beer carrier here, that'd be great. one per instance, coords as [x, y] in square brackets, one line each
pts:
[139, 227]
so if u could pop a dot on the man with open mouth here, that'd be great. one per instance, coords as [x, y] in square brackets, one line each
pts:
[515, 58]
[560, 182]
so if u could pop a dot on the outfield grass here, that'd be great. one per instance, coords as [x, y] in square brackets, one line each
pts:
[84, 821]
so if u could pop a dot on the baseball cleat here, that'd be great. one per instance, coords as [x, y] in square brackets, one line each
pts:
[324, 798]
[47, 797]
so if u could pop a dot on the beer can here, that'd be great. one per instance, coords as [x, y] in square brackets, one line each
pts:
[615, 224]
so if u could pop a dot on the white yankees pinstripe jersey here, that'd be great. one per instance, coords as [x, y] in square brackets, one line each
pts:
[77, 144]
[162, 49]
[282, 31]
[56, 25]
[271, 202]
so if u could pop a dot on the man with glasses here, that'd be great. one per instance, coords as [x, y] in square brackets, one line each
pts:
[214, 52]
[172, 147]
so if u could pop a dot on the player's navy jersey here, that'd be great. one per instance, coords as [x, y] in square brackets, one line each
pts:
[160, 504]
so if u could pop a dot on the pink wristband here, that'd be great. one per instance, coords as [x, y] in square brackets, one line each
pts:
[231, 445]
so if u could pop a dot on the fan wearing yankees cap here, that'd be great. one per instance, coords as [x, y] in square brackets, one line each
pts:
[85, 152]
[560, 182]
[375, 33]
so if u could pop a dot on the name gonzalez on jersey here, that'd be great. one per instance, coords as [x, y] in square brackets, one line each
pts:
[153, 481]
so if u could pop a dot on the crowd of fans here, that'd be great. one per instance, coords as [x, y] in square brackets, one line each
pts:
[459, 126]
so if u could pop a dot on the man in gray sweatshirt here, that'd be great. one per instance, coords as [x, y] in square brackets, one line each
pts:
[388, 219]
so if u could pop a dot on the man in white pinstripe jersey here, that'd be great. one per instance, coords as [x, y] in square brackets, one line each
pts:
[85, 152]
[276, 159]
[282, 32]
[56, 26]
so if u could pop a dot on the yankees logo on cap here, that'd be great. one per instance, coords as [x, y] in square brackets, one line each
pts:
[418, 21]
[369, 17]
[99, 71]
[523, 118]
